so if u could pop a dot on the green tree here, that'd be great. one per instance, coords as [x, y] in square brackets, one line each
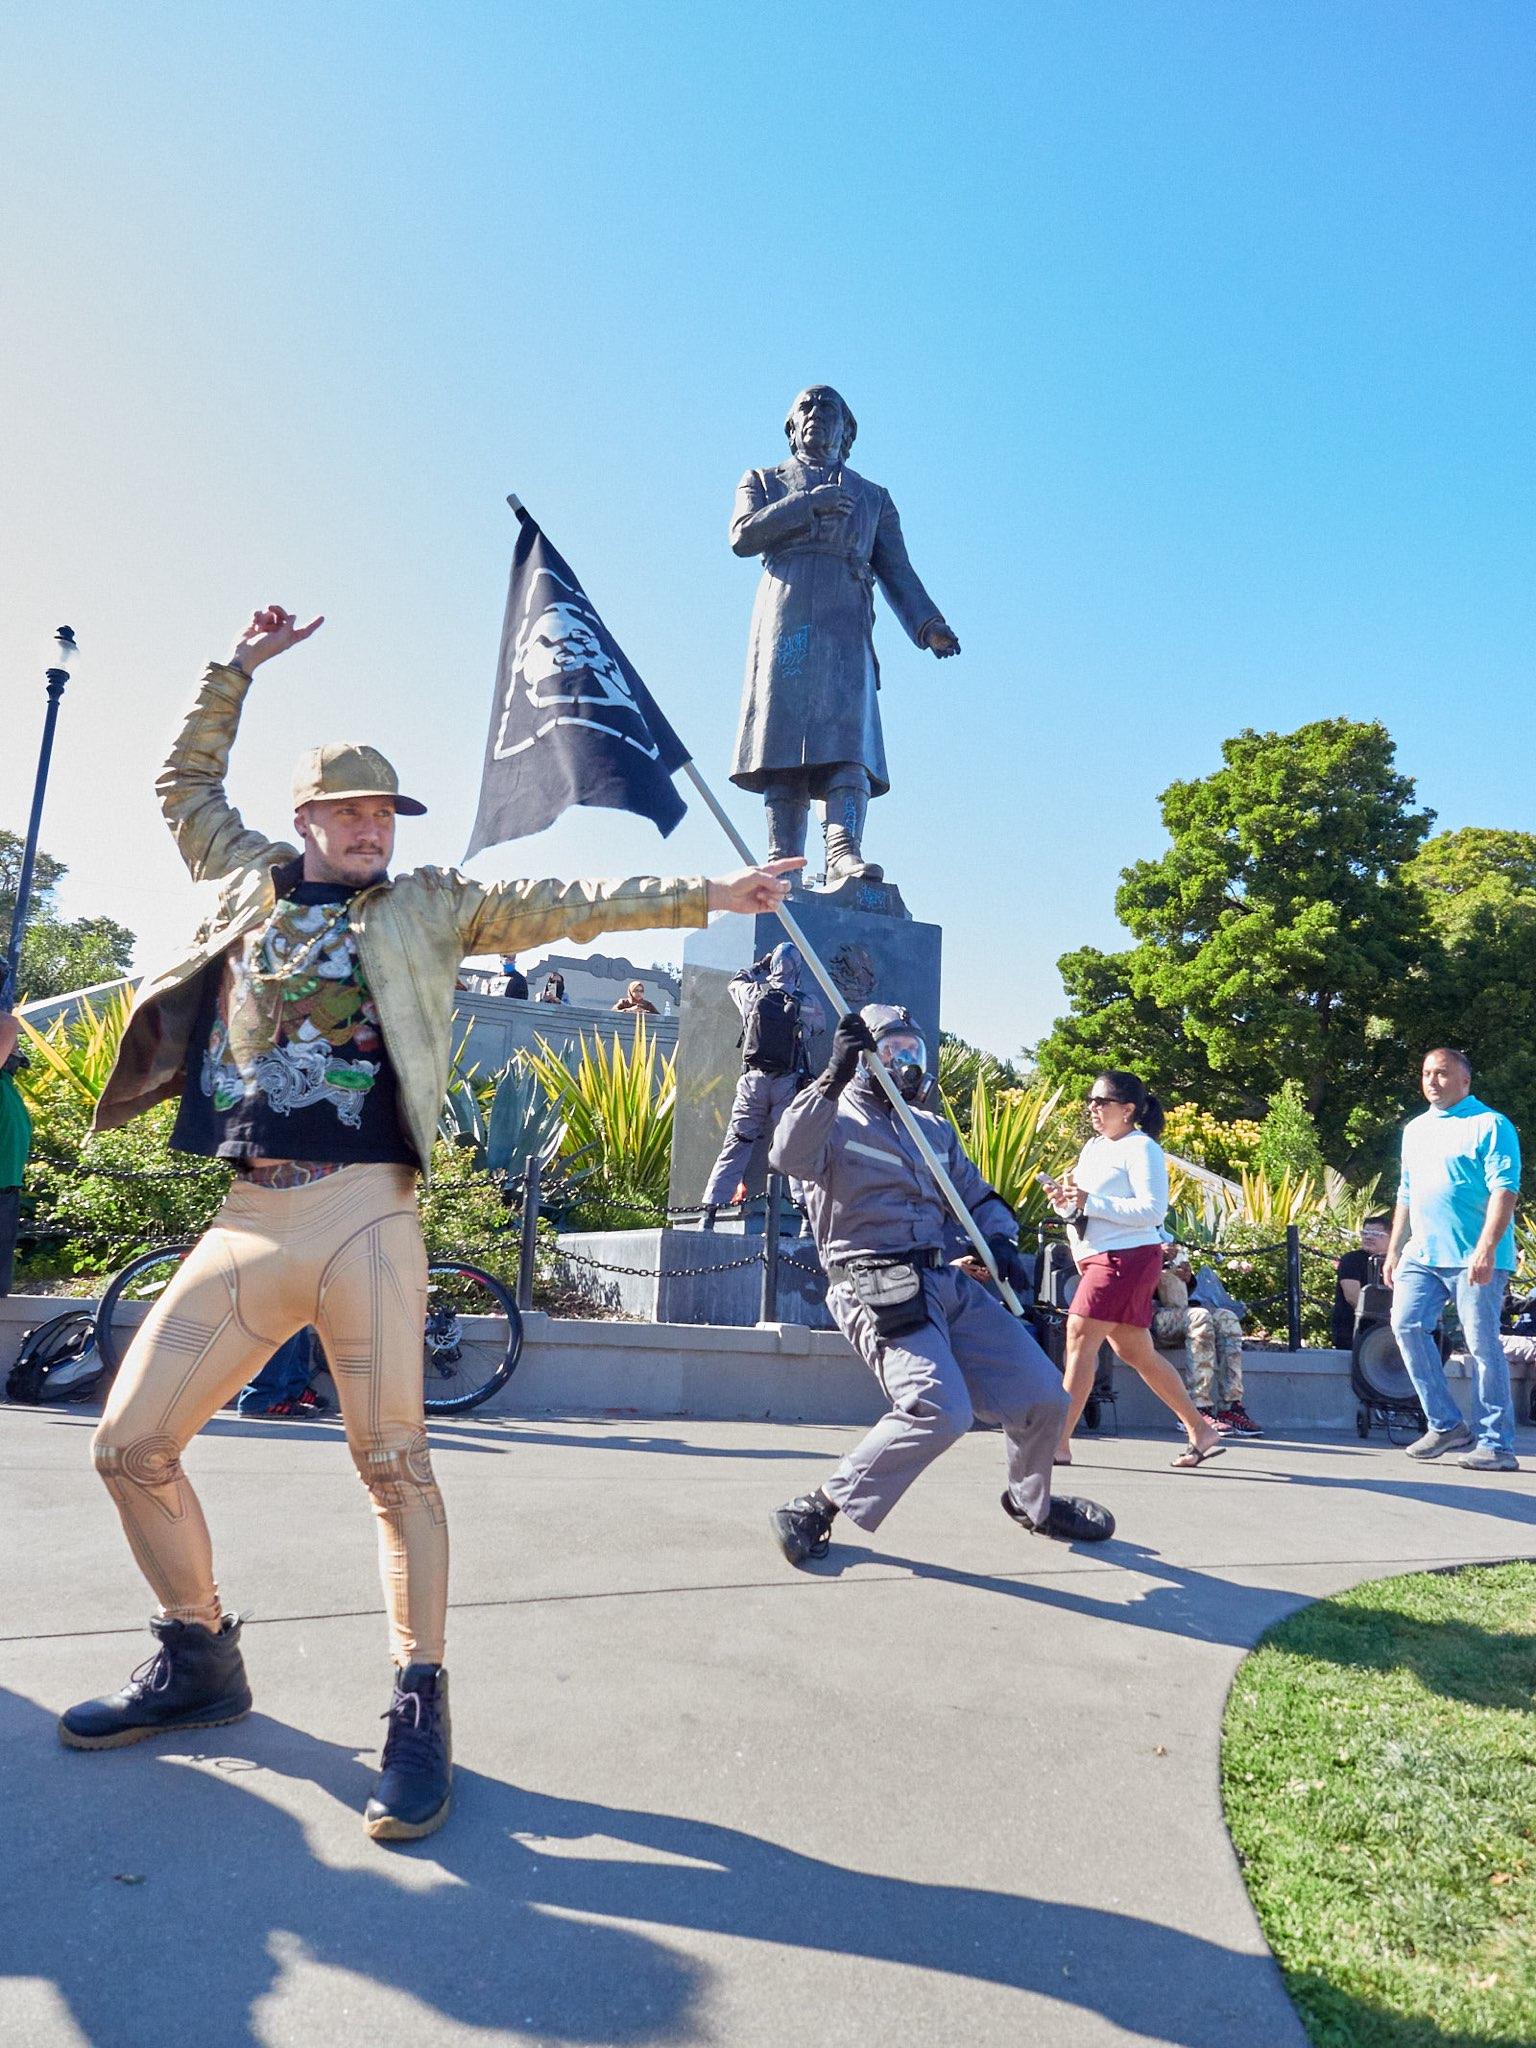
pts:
[1478, 887]
[1273, 940]
[1288, 1137]
[57, 955]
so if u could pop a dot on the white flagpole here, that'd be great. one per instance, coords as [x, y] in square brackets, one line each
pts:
[876, 1066]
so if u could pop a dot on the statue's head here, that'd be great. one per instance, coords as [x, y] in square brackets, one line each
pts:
[820, 428]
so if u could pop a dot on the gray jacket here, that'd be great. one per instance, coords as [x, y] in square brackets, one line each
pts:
[808, 700]
[866, 1188]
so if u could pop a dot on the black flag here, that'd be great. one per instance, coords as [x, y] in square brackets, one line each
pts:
[571, 722]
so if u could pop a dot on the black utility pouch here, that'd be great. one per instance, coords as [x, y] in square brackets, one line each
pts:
[892, 1291]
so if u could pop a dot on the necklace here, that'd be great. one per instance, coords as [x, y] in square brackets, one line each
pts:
[267, 988]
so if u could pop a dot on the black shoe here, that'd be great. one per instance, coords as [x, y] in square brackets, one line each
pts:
[413, 1794]
[802, 1528]
[1071, 1520]
[196, 1679]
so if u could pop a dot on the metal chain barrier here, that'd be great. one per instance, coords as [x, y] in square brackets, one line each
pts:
[659, 1272]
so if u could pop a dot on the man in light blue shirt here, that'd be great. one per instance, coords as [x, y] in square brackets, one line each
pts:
[1452, 1235]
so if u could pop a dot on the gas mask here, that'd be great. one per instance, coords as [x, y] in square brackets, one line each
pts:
[907, 1063]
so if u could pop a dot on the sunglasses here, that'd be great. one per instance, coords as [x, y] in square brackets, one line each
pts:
[1098, 1101]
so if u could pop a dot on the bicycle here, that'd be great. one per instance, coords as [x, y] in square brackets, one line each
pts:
[471, 1342]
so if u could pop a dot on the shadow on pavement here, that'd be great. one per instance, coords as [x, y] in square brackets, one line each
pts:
[475, 1923]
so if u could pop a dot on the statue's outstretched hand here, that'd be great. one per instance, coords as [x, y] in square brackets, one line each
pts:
[940, 640]
[271, 631]
[754, 889]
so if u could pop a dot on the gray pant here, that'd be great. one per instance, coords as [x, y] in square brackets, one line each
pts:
[759, 1102]
[970, 1359]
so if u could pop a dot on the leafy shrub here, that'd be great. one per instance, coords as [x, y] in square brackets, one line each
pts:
[1288, 1141]
[1223, 1146]
[94, 1201]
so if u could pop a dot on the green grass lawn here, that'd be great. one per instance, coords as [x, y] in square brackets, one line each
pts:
[1379, 1771]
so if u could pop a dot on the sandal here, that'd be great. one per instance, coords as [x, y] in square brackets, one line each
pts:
[1192, 1455]
[1061, 1458]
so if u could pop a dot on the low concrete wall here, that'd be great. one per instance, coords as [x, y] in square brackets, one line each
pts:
[782, 1372]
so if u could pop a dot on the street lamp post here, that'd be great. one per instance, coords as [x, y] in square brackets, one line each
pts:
[58, 676]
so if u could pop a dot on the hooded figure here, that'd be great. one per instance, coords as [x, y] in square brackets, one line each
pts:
[777, 1018]
[943, 1349]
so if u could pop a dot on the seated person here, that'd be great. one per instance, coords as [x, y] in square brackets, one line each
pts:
[1352, 1273]
[1212, 1338]
[634, 998]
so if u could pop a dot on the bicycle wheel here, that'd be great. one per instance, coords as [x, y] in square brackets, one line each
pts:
[142, 1280]
[473, 1337]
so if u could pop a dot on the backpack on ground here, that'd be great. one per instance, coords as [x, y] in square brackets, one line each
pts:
[770, 1037]
[58, 1361]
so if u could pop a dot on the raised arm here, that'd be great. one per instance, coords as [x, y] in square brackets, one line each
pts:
[211, 836]
[802, 1144]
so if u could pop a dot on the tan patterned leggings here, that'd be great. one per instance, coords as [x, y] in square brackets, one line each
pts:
[344, 1254]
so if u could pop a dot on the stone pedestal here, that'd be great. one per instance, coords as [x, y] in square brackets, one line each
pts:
[874, 952]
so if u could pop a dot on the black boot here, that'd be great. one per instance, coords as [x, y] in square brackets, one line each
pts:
[1071, 1519]
[707, 1216]
[413, 1793]
[802, 1528]
[196, 1679]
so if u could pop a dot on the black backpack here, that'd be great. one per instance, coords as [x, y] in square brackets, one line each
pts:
[770, 1038]
[57, 1361]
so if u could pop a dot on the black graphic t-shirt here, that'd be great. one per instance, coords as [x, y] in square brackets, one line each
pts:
[286, 1059]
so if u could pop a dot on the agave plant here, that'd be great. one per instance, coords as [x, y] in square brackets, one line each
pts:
[616, 1102]
[526, 1120]
[74, 1056]
[1015, 1135]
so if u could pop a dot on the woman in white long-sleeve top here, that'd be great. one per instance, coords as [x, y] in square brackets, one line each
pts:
[1116, 1196]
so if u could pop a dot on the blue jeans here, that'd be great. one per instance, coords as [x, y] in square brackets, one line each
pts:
[1418, 1299]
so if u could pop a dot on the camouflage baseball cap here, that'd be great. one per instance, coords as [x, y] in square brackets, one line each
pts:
[342, 768]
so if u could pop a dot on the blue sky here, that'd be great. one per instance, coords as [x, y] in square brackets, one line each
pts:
[1194, 342]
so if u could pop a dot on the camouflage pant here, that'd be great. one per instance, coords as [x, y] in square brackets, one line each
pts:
[1213, 1351]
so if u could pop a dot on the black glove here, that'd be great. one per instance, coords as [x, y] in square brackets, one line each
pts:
[852, 1037]
[1012, 1264]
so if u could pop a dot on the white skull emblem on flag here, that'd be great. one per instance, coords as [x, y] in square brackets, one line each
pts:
[561, 665]
[561, 660]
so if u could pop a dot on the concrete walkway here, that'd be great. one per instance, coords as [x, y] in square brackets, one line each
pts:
[954, 1786]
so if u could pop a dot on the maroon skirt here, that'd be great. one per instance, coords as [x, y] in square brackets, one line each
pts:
[1119, 1287]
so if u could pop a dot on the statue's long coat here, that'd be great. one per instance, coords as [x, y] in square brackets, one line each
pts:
[809, 699]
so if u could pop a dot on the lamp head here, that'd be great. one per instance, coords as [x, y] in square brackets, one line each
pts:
[66, 651]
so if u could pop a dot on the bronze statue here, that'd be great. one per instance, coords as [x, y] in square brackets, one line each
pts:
[810, 719]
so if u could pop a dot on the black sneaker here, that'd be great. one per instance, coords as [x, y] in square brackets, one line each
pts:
[1071, 1520]
[196, 1679]
[802, 1528]
[413, 1794]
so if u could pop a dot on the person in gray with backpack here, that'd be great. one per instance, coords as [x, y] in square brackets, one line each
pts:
[778, 1016]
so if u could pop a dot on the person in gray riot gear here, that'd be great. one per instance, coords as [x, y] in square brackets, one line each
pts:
[810, 713]
[777, 1016]
[943, 1349]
